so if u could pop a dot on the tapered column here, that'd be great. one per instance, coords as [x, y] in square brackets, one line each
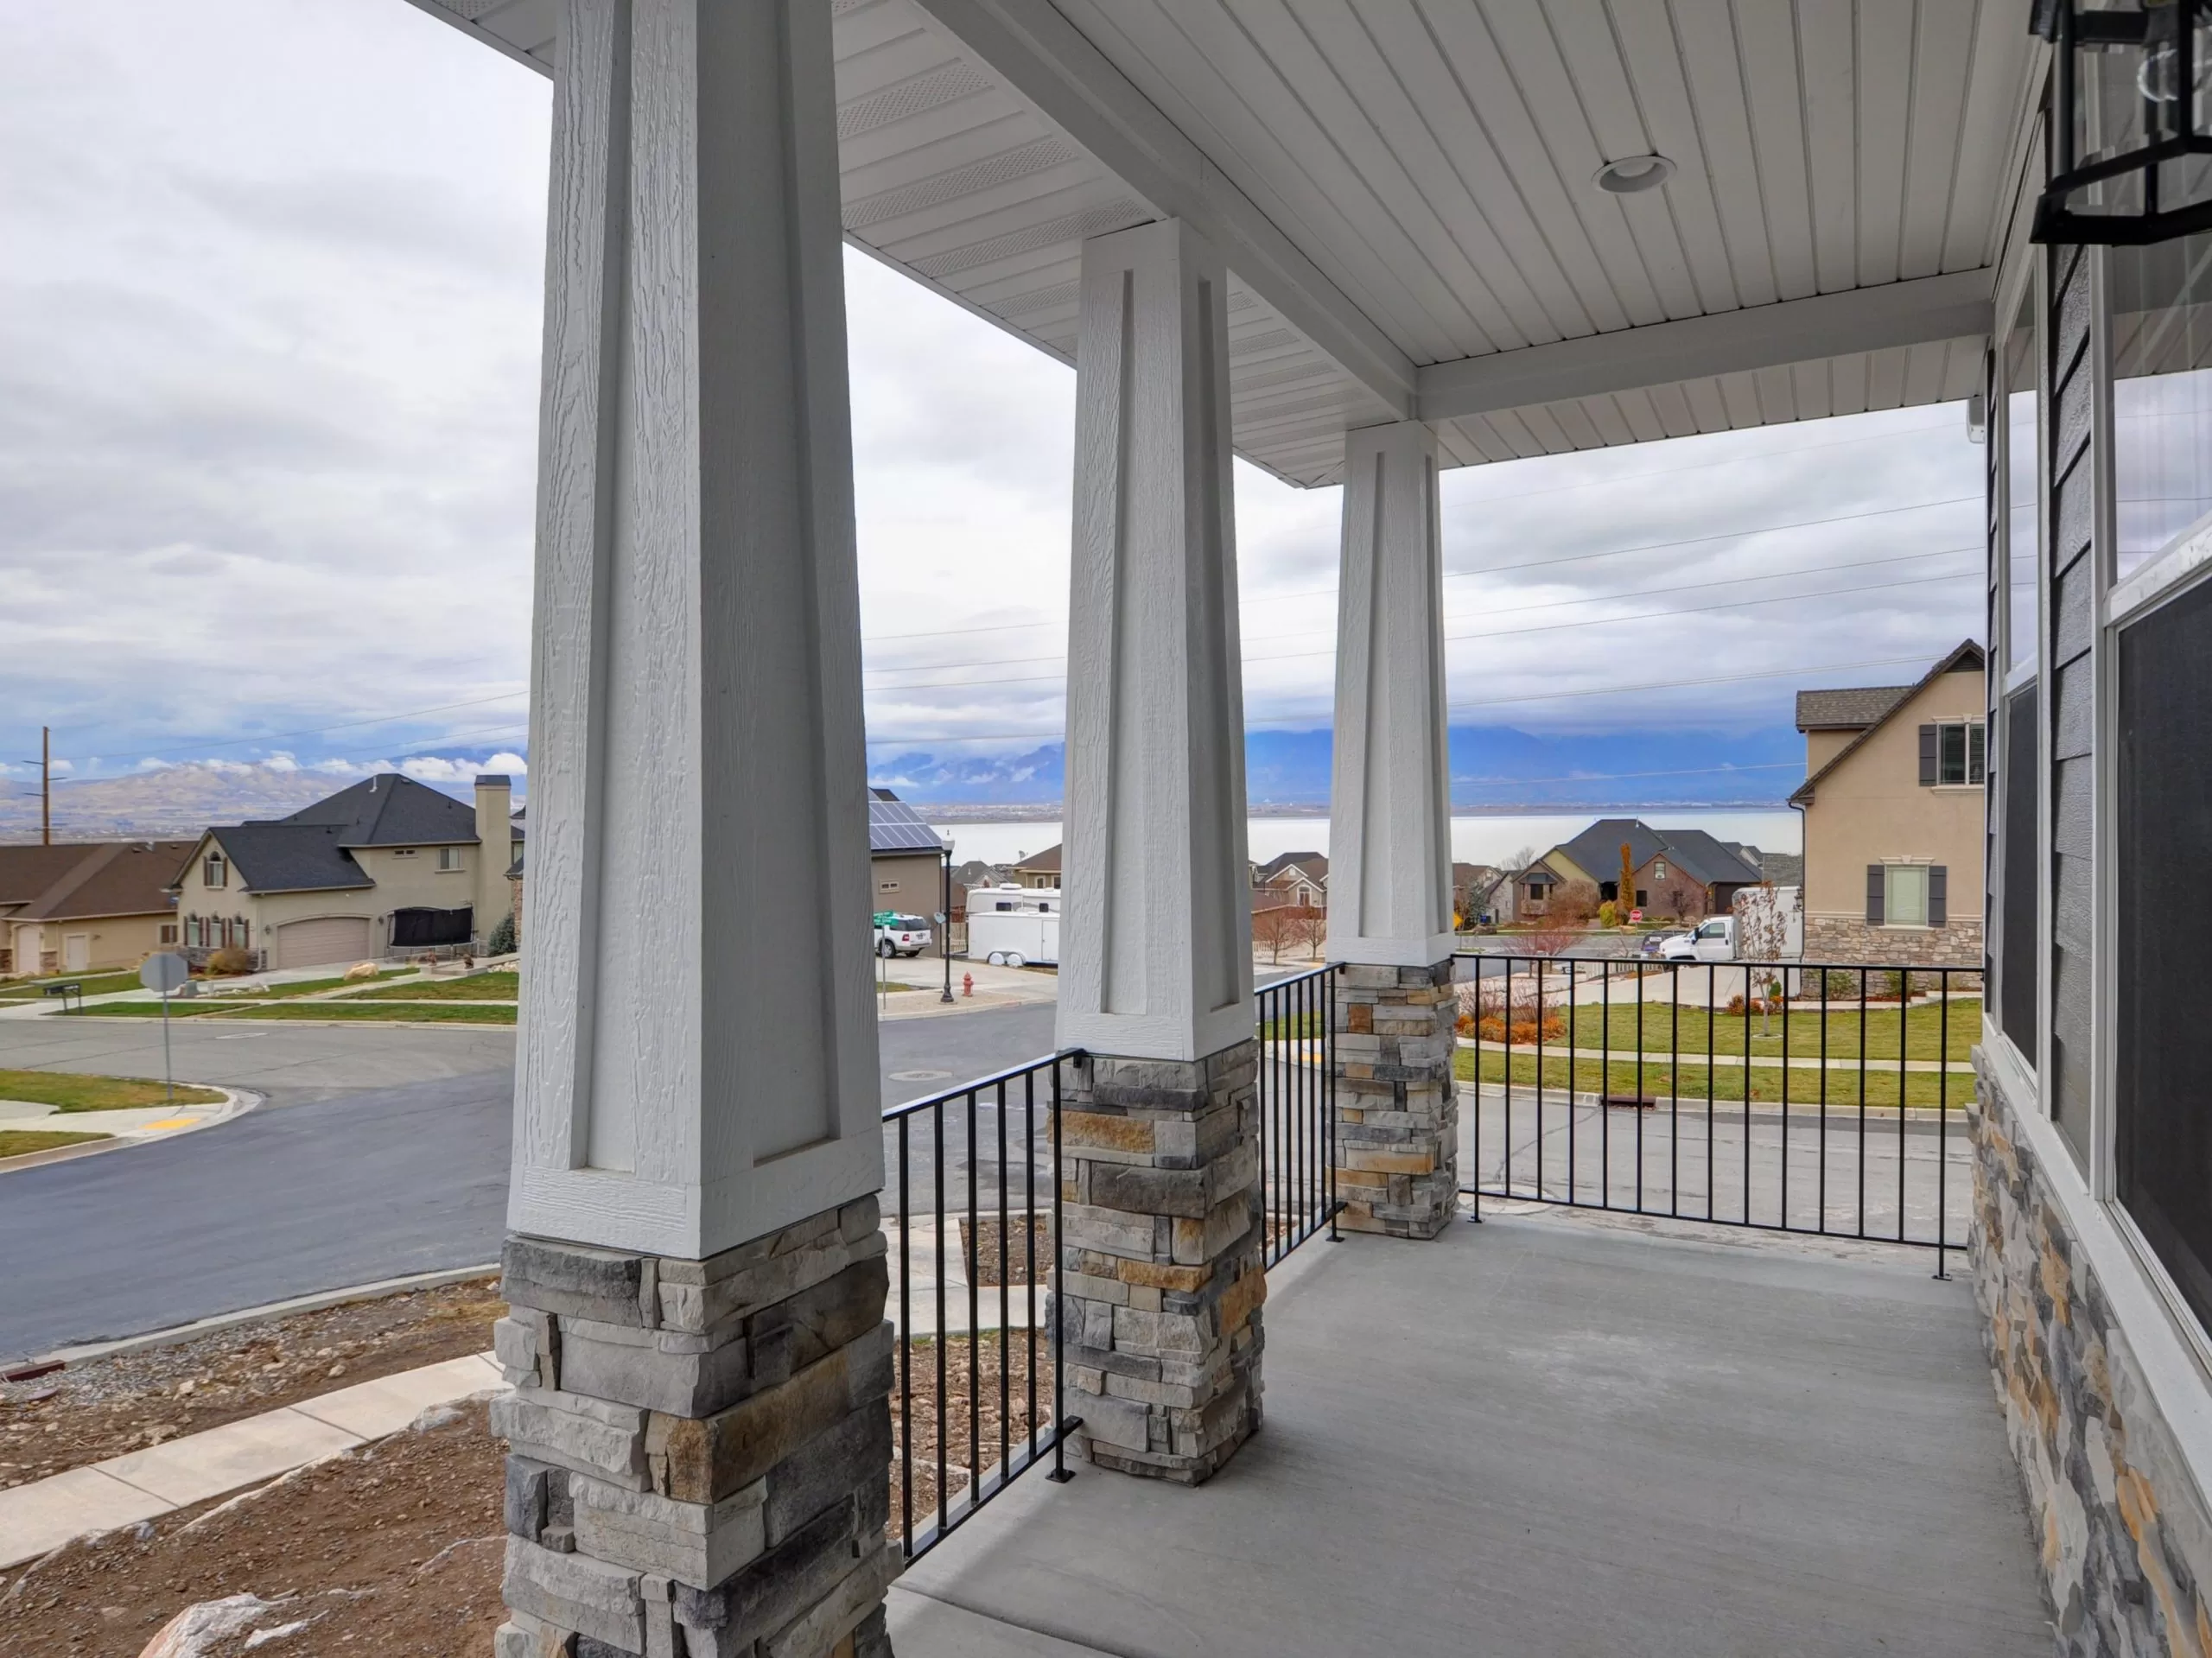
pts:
[1390, 846]
[1159, 1282]
[697, 1353]
[1156, 957]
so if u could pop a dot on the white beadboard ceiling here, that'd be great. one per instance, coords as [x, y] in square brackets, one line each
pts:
[1403, 191]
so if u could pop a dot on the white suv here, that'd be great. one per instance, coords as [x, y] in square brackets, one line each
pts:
[900, 934]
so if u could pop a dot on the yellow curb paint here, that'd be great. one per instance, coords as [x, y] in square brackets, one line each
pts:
[174, 1122]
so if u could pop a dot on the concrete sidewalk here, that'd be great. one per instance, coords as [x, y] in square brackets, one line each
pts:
[141, 1484]
[122, 1128]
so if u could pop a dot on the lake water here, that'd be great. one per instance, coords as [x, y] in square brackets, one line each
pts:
[1474, 840]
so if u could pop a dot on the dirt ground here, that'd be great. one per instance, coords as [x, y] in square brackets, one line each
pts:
[392, 1550]
[127, 1401]
[959, 1370]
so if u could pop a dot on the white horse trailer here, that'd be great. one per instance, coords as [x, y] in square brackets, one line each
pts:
[1015, 926]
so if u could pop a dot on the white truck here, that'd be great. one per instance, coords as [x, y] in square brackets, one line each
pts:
[1774, 917]
[1015, 926]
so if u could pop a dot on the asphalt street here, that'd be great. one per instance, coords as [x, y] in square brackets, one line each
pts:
[379, 1153]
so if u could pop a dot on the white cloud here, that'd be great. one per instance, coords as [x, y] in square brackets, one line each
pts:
[435, 768]
[267, 407]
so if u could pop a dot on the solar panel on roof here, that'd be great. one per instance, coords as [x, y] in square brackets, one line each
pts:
[894, 826]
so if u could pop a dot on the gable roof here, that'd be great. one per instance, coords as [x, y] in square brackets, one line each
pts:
[1046, 862]
[289, 857]
[1966, 656]
[1705, 859]
[1315, 866]
[894, 826]
[83, 881]
[392, 808]
[1852, 709]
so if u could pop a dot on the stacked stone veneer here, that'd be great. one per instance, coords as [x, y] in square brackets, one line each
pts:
[701, 1450]
[1843, 938]
[1161, 1273]
[2124, 1536]
[1397, 1106]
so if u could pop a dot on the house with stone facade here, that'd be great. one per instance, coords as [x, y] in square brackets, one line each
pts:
[1893, 807]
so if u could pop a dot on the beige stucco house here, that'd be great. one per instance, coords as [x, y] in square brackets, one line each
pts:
[1893, 803]
[86, 907]
[906, 861]
[386, 868]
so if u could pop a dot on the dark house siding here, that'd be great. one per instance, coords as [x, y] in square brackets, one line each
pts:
[2069, 697]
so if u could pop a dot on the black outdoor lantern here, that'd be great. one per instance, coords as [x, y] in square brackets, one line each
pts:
[2132, 121]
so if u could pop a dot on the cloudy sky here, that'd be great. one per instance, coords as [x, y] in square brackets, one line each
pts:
[270, 297]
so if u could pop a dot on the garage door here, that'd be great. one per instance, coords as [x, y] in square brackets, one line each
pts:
[315, 943]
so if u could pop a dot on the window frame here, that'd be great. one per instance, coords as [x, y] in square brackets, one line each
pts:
[2027, 287]
[449, 860]
[215, 873]
[1966, 728]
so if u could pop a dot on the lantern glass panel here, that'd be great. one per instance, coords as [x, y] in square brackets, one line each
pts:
[2161, 395]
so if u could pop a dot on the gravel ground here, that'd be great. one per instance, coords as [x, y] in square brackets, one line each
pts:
[105, 1406]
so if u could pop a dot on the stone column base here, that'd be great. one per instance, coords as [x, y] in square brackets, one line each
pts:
[1160, 1277]
[700, 1449]
[1397, 1107]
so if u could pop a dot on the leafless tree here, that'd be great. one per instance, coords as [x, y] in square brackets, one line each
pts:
[1683, 897]
[1762, 934]
[1312, 929]
[1273, 928]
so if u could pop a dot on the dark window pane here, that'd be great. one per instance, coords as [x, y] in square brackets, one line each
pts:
[1951, 754]
[1977, 742]
[2016, 972]
[2163, 1131]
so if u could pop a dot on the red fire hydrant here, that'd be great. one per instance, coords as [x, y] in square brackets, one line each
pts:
[967, 984]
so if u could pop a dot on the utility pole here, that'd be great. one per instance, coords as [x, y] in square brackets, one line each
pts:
[46, 785]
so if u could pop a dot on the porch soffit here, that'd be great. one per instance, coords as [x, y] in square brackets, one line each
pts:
[1402, 191]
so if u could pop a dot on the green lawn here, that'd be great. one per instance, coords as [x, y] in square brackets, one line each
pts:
[477, 987]
[417, 1013]
[1666, 1025]
[95, 985]
[17, 1142]
[67, 1092]
[191, 1008]
[315, 986]
[1726, 1081]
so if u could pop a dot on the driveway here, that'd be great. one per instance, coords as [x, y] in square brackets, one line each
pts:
[381, 1153]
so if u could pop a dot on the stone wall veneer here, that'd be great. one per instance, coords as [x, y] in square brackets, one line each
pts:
[1397, 1129]
[700, 1449]
[1831, 938]
[2124, 1536]
[1160, 1265]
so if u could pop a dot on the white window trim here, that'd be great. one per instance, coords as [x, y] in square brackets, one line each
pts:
[2185, 563]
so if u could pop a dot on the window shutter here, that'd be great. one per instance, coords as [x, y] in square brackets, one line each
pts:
[1939, 881]
[1928, 757]
[1874, 895]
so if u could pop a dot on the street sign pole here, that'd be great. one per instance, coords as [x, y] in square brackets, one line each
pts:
[166, 973]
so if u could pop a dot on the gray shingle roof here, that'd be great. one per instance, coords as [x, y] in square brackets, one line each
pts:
[291, 857]
[392, 809]
[1852, 709]
[1696, 852]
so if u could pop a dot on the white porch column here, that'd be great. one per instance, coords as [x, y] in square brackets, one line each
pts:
[1156, 955]
[698, 1441]
[1160, 1283]
[1390, 804]
[1390, 846]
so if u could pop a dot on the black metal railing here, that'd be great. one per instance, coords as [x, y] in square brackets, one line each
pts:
[1793, 1096]
[973, 1161]
[1298, 1109]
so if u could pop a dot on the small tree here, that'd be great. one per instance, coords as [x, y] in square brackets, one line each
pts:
[502, 941]
[1683, 897]
[1763, 935]
[1273, 928]
[1312, 931]
[1627, 889]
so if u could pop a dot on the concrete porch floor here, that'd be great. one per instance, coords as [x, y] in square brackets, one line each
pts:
[1545, 1435]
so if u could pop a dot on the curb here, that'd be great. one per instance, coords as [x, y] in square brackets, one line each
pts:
[314, 1303]
[241, 1101]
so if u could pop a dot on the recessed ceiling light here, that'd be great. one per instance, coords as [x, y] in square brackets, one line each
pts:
[1633, 173]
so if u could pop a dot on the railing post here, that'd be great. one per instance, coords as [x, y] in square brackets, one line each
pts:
[1056, 1301]
[1329, 1098]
